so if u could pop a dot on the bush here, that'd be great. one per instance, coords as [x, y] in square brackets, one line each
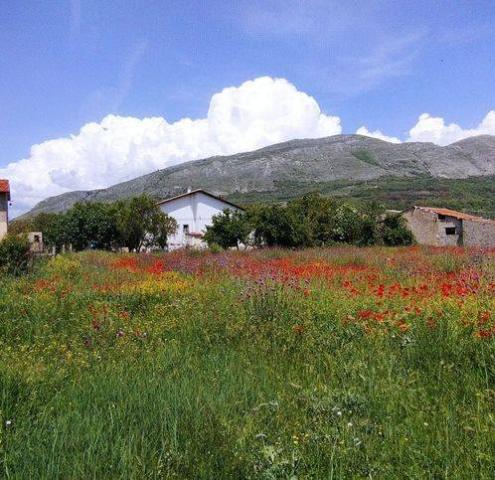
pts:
[395, 232]
[15, 255]
[215, 248]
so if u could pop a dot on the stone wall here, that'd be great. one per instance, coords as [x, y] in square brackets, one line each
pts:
[428, 229]
[476, 233]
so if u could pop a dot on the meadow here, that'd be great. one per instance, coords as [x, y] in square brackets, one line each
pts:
[336, 363]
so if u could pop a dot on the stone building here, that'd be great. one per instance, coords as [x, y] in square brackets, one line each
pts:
[4, 207]
[443, 227]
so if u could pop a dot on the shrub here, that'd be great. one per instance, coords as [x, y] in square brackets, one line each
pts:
[14, 255]
[215, 248]
[395, 232]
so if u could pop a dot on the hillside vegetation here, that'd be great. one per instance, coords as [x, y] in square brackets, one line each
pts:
[327, 363]
[475, 195]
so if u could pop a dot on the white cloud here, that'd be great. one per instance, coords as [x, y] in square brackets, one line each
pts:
[255, 114]
[434, 129]
[377, 134]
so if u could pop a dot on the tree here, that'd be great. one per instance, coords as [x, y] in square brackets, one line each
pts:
[228, 229]
[315, 217]
[304, 222]
[357, 225]
[52, 225]
[394, 231]
[141, 223]
[272, 226]
[91, 225]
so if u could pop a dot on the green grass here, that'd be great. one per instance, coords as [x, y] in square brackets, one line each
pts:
[223, 387]
[365, 157]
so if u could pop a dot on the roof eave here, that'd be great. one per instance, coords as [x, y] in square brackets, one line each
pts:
[200, 190]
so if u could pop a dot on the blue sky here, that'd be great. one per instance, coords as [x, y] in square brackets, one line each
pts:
[377, 64]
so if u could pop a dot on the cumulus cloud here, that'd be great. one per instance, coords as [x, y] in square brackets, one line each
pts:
[257, 113]
[377, 134]
[434, 129]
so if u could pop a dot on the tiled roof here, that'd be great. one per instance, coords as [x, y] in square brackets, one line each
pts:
[455, 214]
[4, 186]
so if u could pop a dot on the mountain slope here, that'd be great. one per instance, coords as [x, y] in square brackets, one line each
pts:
[353, 158]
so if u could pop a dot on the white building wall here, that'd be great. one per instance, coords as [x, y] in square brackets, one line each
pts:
[4, 214]
[196, 211]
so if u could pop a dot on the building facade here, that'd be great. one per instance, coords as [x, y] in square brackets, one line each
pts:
[443, 227]
[193, 212]
[4, 207]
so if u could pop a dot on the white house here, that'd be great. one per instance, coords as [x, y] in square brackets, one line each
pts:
[193, 211]
[4, 207]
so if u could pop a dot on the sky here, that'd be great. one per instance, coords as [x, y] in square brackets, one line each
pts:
[94, 93]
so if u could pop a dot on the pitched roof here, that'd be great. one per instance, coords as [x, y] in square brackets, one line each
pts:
[200, 190]
[455, 214]
[5, 187]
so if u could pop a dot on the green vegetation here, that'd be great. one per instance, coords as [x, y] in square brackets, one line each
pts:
[309, 221]
[14, 255]
[228, 230]
[134, 223]
[326, 363]
[475, 195]
[366, 157]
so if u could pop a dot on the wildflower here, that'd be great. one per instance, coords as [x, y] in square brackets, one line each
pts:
[8, 423]
[484, 317]
[120, 333]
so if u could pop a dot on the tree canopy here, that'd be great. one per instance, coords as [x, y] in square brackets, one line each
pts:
[309, 221]
[135, 223]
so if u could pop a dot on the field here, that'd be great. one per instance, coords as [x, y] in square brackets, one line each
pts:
[334, 363]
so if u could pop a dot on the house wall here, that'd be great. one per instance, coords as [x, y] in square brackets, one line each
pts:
[4, 217]
[478, 233]
[196, 211]
[428, 229]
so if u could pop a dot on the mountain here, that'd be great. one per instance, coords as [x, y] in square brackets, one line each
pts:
[339, 161]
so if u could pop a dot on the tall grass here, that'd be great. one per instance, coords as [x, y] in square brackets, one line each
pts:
[106, 374]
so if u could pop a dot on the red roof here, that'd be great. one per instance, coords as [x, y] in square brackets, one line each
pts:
[5, 187]
[455, 214]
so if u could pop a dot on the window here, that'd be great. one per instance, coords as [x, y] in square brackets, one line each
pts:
[450, 231]
[36, 239]
[185, 229]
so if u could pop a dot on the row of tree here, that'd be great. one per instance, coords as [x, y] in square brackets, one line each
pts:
[309, 221]
[135, 223]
